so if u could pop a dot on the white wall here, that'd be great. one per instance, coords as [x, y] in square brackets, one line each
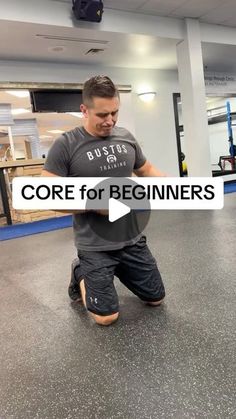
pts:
[219, 145]
[126, 115]
[153, 123]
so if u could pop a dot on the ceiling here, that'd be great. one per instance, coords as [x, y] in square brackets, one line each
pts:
[46, 43]
[222, 12]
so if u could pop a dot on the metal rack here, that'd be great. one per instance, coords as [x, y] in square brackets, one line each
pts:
[224, 114]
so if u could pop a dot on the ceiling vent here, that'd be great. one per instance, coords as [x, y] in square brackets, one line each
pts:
[94, 51]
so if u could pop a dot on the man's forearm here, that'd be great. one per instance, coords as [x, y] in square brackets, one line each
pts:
[71, 211]
[100, 212]
[153, 172]
[148, 170]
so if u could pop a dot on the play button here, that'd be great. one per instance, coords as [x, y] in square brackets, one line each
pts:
[123, 218]
[117, 210]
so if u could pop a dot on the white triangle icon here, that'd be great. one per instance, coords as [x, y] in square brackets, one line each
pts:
[117, 209]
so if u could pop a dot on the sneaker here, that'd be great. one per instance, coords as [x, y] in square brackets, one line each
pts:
[74, 287]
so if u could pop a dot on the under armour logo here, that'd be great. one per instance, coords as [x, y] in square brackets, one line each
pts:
[95, 300]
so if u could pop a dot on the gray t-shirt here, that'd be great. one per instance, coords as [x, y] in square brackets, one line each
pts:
[79, 154]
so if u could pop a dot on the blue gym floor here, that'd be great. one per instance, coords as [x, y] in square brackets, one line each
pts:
[175, 361]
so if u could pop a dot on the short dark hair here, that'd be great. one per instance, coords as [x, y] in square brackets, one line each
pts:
[98, 86]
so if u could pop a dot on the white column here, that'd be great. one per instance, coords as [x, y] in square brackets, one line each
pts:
[193, 95]
[12, 147]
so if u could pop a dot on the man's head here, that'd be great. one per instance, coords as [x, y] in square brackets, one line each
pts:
[100, 105]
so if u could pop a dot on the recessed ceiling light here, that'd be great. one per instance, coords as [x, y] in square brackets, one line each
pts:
[18, 93]
[56, 131]
[19, 111]
[57, 48]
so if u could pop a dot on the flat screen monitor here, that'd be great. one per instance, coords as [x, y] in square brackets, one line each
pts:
[56, 100]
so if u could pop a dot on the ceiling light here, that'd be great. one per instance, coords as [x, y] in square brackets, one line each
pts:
[56, 131]
[76, 114]
[147, 96]
[18, 93]
[19, 111]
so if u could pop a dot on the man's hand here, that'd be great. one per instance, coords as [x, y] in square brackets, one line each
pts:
[102, 212]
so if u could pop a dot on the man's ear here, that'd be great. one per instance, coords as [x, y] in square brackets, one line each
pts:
[84, 110]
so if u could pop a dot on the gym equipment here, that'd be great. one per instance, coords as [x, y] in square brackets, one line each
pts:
[221, 116]
[230, 133]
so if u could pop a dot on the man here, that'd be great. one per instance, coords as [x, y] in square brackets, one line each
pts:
[88, 151]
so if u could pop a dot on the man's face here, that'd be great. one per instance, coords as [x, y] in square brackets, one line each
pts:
[101, 116]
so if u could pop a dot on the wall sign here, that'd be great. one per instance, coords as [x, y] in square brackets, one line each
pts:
[220, 83]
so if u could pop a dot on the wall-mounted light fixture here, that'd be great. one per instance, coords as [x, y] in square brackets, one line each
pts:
[147, 96]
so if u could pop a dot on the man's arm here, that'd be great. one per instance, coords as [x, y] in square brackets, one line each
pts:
[148, 170]
[45, 173]
[48, 174]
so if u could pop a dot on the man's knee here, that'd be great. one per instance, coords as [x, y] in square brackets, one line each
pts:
[105, 320]
[161, 296]
[156, 303]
